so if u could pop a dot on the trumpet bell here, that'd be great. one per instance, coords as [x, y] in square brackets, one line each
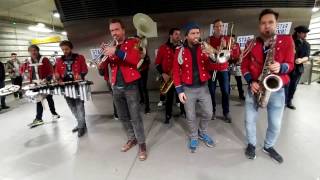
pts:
[223, 56]
[145, 25]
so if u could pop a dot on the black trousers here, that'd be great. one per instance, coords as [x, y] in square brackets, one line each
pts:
[143, 90]
[291, 88]
[17, 81]
[3, 98]
[51, 107]
[169, 102]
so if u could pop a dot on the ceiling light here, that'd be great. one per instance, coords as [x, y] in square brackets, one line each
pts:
[315, 9]
[40, 27]
[64, 33]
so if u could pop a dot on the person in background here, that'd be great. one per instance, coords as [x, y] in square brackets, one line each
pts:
[13, 66]
[234, 66]
[2, 84]
[302, 48]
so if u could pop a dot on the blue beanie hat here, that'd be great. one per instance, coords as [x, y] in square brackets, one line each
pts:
[191, 25]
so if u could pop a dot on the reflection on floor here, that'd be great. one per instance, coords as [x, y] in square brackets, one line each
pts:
[53, 152]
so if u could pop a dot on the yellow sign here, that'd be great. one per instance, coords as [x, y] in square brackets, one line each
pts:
[52, 39]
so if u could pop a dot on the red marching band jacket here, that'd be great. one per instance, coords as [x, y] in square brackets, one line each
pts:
[78, 67]
[182, 67]
[235, 53]
[215, 42]
[252, 63]
[165, 58]
[44, 71]
[126, 58]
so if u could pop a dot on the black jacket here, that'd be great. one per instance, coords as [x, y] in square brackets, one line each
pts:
[2, 72]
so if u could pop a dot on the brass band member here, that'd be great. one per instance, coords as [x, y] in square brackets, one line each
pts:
[38, 67]
[234, 66]
[262, 49]
[72, 67]
[123, 59]
[191, 67]
[164, 62]
[220, 42]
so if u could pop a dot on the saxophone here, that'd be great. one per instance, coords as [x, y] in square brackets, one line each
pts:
[268, 82]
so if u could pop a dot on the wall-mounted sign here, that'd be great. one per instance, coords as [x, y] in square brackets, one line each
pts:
[242, 40]
[95, 53]
[224, 32]
[51, 39]
[283, 27]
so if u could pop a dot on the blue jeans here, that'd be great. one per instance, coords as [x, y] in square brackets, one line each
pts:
[223, 78]
[275, 109]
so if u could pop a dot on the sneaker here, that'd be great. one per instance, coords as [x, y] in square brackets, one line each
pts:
[227, 118]
[75, 129]
[273, 154]
[167, 121]
[193, 144]
[36, 122]
[251, 151]
[241, 97]
[115, 117]
[207, 140]
[178, 105]
[55, 117]
[147, 110]
[160, 103]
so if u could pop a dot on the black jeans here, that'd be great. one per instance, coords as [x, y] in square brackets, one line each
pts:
[143, 90]
[170, 96]
[3, 98]
[291, 88]
[239, 84]
[223, 78]
[17, 81]
[51, 107]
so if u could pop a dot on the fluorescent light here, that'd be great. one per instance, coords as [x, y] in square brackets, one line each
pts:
[64, 33]
[40, 27]
[56, 15]
[315, 9]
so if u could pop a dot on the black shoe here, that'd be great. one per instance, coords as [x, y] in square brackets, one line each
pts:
[251, 151]
[242, 97]
[291, 106]
[167, 121]
[75, 129]
[227, 118]
[183, 114]
[5, 107]
[213, 116]
[81, 131]
[147, 110]
[273, 154]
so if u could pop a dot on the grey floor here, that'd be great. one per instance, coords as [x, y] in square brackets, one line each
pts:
[53, 152]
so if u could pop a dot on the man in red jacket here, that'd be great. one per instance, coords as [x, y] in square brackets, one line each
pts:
[191, 67]
[251, 67]
[72, 67]
[124, 58]
[234, 66]
[38, 68]
[220, 42]
[164, 61]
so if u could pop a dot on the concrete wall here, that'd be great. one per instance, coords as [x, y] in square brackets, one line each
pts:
[88, 34]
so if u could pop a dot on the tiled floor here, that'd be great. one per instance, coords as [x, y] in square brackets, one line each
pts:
[52, 152]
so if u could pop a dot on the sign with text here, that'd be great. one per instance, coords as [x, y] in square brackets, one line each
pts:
[242, 40]
[224, 32]
[283, 28]
[95, 53]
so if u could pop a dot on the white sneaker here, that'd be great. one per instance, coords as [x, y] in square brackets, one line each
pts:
[160, 103]
[178, 104]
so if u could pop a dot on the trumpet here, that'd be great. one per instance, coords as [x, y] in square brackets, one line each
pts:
[101, 57]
